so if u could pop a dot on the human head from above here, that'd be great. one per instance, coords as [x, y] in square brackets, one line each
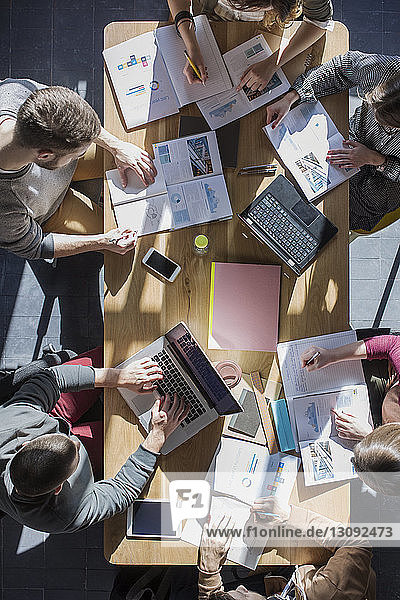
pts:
[58, 124]
[385, 101]
[43, 464]
[282, 12]
[377, 459]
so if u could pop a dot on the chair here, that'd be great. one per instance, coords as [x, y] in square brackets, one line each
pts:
[387, 220]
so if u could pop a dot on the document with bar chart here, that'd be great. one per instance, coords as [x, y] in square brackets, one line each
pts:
[190, 188]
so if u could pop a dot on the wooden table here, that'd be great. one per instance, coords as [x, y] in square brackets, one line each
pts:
[139, 308]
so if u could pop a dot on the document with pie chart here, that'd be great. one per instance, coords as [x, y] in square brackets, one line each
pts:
[189, 189]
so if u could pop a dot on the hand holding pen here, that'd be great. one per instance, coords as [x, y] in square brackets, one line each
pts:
[195, 69]
[315, 358]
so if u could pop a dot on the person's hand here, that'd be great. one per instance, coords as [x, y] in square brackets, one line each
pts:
[197, 58]
[279, 109]
[120, 240]
[269, 510]
[351, 427]
[140, 376]
[353, 154]
[128, 156]
[213, 549]
[166, 416]
[322, 360]
[258, 76]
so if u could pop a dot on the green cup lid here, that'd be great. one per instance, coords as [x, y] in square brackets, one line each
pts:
[201, 241]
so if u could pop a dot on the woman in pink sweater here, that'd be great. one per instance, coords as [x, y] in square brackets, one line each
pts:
[377, 455]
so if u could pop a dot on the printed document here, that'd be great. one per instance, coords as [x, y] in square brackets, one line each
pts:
[239, 473]
[231, 105]
[310, 397]
[302, 140]
[140, 80]
[327, 457]
[189, 189]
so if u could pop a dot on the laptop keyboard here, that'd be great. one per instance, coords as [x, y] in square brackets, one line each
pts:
[274, 219]
[173, 382]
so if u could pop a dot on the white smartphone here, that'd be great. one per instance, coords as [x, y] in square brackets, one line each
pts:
[161, 265]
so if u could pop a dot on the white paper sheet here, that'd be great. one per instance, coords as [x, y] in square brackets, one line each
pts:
[135, 190]
[298, 381]
[172, 48]
[247, 471]
[140, 80]
[231, 105]
[221, 506]
[189, 158]
[302, 140]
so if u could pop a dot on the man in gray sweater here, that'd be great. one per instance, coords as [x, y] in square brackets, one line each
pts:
[46, 479]
[43, 133]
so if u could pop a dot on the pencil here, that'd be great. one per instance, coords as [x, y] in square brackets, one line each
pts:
[195, 69]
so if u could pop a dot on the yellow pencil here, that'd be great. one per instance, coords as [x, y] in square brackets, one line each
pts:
[195, 69]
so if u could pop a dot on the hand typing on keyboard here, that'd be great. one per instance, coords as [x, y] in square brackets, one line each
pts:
[140, 376]
[166, 416]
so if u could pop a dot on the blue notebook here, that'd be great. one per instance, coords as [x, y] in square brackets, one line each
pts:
[282, 424]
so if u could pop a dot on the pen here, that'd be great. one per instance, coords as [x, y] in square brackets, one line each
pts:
[195, 69]
[267, 514]
[310, 360]
[259, 172]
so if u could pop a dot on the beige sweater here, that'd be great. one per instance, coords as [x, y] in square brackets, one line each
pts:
[347, 575]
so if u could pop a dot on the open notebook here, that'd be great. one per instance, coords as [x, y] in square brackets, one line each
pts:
[189, 189]
[231, 105]
[146, 73]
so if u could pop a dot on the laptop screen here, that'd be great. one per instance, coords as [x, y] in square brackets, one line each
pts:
[202, 371]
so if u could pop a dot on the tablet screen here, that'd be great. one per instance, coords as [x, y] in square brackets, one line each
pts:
[151, 519]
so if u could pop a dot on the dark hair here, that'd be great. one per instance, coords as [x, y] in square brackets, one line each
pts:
[220, 596]
[56, 118]
[283, 11]
[377, 459]
[385, 100]
[43, 464]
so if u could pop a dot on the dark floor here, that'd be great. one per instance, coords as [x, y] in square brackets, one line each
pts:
[58, 42]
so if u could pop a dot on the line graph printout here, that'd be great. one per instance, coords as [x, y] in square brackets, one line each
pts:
[231, 105]
[140, 80]
[302, 140]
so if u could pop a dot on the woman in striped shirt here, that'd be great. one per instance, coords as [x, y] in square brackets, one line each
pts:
[374, 144]
[317, 17]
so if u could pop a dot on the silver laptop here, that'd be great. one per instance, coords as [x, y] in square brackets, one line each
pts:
[188, 372]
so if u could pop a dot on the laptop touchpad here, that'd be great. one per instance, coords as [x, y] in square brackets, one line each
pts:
[305, 212]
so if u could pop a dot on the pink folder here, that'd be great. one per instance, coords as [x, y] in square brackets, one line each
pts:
[244, 307]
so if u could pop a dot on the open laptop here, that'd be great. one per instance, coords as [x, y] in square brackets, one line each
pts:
[294, 229]
[188, 372]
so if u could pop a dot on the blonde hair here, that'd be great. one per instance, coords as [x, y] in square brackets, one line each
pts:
[283, 12]
[377, 459]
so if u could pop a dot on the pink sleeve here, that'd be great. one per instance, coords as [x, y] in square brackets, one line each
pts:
[384, 346]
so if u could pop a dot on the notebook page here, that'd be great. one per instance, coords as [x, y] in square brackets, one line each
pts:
[298, 381]
[172, 48]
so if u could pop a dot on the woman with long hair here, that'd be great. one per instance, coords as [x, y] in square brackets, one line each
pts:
[317, 17]
[374, 139]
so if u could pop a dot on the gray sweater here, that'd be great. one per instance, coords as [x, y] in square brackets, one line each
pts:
[30, 196]
[81, 501]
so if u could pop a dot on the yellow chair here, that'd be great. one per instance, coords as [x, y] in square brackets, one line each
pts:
[387, 220]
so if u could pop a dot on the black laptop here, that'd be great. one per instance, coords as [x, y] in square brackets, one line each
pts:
[294, 229]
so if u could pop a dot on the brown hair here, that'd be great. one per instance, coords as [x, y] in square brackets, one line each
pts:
[43, 464]
[283, 11]
[377, 459]
[385, 100]
[56, 118]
